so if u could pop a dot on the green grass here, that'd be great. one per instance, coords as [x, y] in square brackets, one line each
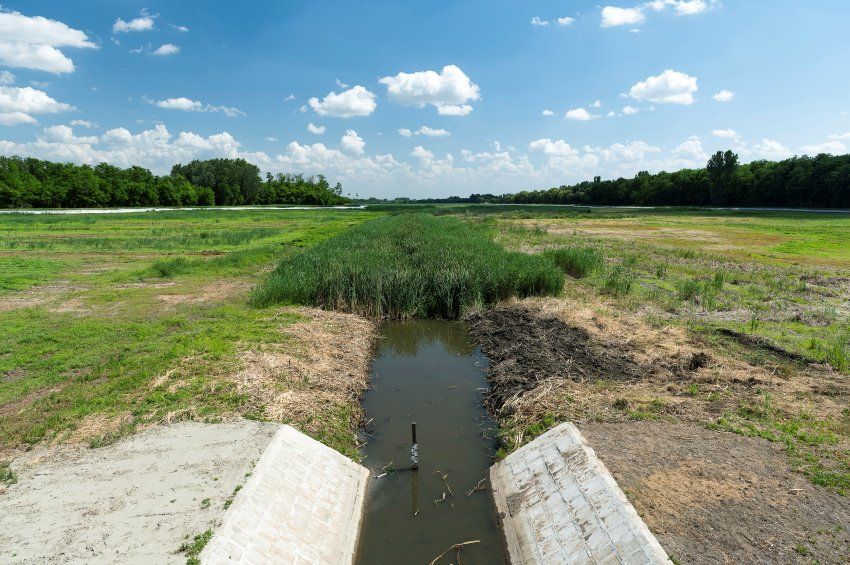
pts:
[20, 273]
[122, 353]
[409, 266]
[618, 281]
[578, 262]
[7, 475]
[193, 549]
[809, 442]
[713, 270]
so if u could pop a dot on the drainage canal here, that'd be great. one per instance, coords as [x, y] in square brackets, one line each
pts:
[428, 372]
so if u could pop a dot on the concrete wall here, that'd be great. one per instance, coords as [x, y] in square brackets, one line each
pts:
[559, 504]
[302, 504]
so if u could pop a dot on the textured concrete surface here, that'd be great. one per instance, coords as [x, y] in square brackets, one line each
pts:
[302, 504]
[559, 504]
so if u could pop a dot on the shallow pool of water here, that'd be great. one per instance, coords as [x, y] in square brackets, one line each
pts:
[428, 372]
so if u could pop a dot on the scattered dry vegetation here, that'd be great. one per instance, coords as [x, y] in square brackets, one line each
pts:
[579, 358]
[315, 377]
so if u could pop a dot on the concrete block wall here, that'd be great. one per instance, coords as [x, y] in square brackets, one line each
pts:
[302, 504]
[559, 504]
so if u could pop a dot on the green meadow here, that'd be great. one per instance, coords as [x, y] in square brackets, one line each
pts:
[140, 314]
[145, 313]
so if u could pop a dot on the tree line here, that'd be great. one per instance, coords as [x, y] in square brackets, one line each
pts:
[800, 182]
[35, 183]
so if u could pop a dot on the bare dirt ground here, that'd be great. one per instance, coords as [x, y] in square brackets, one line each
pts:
[714, 497]
[136, 501]
[645, 396]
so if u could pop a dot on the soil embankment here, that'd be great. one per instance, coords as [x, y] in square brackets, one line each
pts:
[645, 396]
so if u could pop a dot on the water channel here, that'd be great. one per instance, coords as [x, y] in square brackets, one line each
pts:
[428, 372]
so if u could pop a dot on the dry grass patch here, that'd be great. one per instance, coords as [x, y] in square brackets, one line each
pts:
[315, 377]
[218, 291]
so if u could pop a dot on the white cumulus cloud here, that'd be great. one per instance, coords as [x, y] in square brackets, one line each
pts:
[15, 118]
[431, 132]
[692, 149]
[350, 103]
[536, 21]
[579, 115]
[352, 143]
[405, 132]
[725, 133]
[832, 147]
[670, 87]
[166, 49]
[547, 112]
[613, 16]
[143, 23]
[548, 147]
[33, 42]
[724, 96]
[448, 91]
[771, 149]
[189, 105]
[421, 153]
[630, 110]
[318, 130]
[565, 21]
[17, 105]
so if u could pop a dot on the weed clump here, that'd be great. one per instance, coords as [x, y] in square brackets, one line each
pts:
[193, 549]
[618, 281]
[578, 262]
[409, 266]
[7, 475]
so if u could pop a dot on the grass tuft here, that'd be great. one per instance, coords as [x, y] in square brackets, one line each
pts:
[409, 266]
[7, 475]
[618, 281]
[578, 262]
[193, 549]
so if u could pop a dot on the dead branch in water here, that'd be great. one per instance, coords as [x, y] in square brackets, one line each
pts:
[457, 547]
[477, 487]
[445, 480]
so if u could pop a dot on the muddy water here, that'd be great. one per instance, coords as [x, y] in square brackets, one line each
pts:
[428, 372]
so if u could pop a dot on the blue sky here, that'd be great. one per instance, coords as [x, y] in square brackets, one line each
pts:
[429, 98]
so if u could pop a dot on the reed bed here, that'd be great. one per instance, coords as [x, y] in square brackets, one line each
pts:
[410, 265]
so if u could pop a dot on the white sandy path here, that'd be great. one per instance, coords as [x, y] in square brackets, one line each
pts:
[132, 502]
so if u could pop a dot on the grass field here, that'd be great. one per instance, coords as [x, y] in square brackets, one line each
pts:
[769, 289]
[111, 322]
[780, 277]
[115, 322]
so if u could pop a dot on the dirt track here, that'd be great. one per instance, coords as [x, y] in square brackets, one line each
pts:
[714, 497]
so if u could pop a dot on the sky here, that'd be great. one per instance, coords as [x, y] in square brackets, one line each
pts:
[425, 99]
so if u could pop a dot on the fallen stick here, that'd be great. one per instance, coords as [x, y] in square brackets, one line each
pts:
[445, 480]
[477, 487]
[456, 547]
